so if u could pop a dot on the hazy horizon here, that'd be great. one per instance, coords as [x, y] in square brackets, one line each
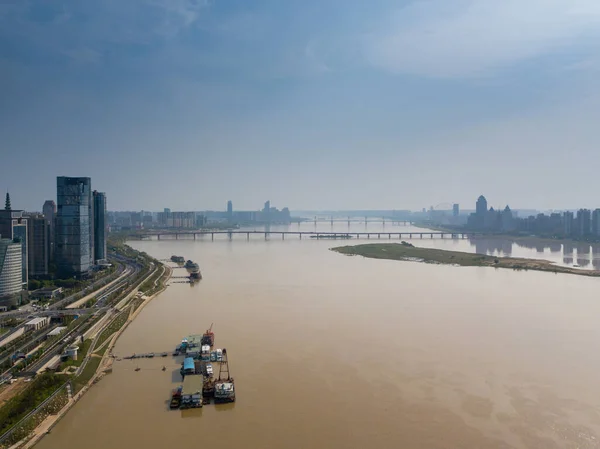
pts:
[314, 105]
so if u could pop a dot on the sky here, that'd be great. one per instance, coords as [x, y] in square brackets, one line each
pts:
[313, 104]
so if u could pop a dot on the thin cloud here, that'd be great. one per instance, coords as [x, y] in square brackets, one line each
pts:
[436, 38]
[82, 30]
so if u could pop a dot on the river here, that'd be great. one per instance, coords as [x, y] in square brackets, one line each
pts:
[330, 351]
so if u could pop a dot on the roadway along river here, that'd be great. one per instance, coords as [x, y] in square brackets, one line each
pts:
[330, 351]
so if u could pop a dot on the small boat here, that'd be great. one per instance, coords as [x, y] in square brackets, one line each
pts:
[164, 368]
[164, 354]
[150, 355]
[137, 368]
[209, 370]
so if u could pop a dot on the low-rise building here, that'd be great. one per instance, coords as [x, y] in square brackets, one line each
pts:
[37, 323]
[46, 293]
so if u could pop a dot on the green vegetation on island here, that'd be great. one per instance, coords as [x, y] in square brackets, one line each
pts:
[407, 252]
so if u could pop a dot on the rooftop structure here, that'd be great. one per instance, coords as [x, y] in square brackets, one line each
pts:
[46, 292]
[57, 331]
[191, 395]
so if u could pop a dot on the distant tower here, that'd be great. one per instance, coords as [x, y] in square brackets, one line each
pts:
[481, 206]
[7, 202]
[455, 210]
[267, 211]
[230, 211]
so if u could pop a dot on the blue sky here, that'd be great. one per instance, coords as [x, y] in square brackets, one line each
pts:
[314, 104]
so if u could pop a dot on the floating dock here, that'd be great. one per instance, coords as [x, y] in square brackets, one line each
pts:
[199, 381]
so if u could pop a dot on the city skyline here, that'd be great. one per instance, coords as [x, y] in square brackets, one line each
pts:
[317, 105]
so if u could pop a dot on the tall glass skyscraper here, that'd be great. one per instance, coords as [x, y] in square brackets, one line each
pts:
[74, 240]
[100, 229]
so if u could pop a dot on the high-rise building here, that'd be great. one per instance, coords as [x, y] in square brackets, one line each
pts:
[37, 245]
[74, 226]
[584, 222]
[568, 219]
[100, 228]
[49, 211]
[267, 212]
[481, 206]
[229, 211]
[455, 210]
[13, 225]
[11, 285]
[596, 223]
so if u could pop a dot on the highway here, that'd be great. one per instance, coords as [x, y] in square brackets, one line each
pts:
[127, 271]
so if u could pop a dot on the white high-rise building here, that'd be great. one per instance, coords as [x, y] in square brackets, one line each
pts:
[11, 263]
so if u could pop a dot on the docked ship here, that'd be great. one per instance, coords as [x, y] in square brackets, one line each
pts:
[192, 266]
[177, 259]
[331, 236]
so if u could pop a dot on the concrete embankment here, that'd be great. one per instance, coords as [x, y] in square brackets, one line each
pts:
[104, 367]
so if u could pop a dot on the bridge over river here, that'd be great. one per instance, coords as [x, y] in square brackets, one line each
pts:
[193, 235]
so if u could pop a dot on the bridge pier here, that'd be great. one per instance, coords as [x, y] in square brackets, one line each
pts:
[389, 236]
[282, 236]
[212, 236]
[368, 235]
[421, 235]
[431, 235]
[378, 236]
[266, 235]
[176, 236]
[247, 236]
[158, 236]
[230, 235]
[194, 236]
[442, 235]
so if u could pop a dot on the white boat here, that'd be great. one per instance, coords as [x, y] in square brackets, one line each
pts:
[209, 370]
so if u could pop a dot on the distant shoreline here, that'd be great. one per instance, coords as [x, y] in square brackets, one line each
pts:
[514, 238]
[407, 252]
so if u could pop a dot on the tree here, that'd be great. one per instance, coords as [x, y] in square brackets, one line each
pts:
[7, 202]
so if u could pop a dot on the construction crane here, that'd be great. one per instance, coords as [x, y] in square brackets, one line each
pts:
[208, 338]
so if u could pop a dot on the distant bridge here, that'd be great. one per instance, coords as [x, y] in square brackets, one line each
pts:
[365, 220]
[161, 235]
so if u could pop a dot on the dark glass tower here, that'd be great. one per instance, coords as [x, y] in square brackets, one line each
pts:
[99, 225]
[74, 240]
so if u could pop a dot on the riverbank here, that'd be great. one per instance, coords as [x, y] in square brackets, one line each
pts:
[407, 252]
[100, 361]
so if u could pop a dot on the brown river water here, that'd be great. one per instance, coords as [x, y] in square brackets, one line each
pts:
[331, 351]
